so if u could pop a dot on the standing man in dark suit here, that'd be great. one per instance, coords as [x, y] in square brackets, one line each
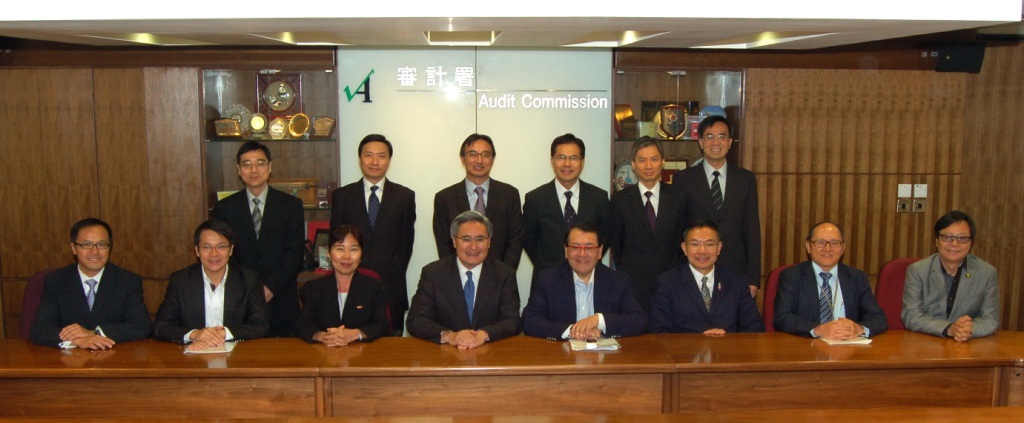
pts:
[822, 298]
[385, 220]
[469, 298]
[269, 226]
[551, 209]
[93, 303]
[211, 302]
[582, 298]
[479, 192]
[647, 222]
[726, 195]
[700, 297]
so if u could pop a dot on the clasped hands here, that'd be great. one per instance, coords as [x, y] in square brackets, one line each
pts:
[839, 329]
[586, 328]
[338, 337]
[85, 338]
[465, 339]
[207, 337]
[962, 329]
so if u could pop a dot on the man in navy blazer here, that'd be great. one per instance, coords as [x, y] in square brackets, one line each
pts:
[93, 303]
[211, 302]
[479, 192]
[822, 298]
[639, 248]
[469, 298]
[551, 209]
[274, 249]
[388, 239]
[582, 298]
[701, 296]
[726, 195]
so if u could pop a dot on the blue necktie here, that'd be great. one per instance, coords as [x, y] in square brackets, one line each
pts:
[825, 299]
[469, 290]
[374, 207]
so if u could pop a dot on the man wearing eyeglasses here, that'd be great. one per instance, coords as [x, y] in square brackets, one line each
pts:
[582, 298]
[93, 303]
[469, 298]
[481, 193]
[270, 230]
[823, 298]
[551, 209]
[699, 296]
[212, 302]
[727, 195]
[953, 293]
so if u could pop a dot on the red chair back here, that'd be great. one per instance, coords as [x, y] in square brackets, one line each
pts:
[30, 302]
[889, 290]
[771, 287]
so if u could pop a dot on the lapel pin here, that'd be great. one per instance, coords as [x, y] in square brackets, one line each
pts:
[968, 275]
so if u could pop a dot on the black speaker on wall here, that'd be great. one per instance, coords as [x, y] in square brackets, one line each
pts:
[961, 58]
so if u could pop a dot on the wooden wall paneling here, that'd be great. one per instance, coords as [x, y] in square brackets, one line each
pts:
[992, 177]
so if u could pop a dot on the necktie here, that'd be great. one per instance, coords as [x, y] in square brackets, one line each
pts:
[257, 216]
[716, 191]
[469, 290]
[570, 212]
[91, 296]
[705, 292]
[479, 206]
[374, 207]
[652, 219]
[825, 299]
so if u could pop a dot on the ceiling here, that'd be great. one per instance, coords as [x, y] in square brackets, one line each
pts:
[748, 25]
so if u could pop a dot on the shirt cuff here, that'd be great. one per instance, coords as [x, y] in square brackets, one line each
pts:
[67, 345]
[227, 335]
[186, 338]
[600, 323]
[867, 331]
[565, 335]
[99, 331]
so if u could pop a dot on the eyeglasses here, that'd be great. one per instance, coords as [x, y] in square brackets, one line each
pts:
[693, 245]
[221, 248]
[563, 157]
[583, 249]
[821, 243]
[961, 239]
[473, 154]
[88, 245]
[260, 164]
[719, 137]
[472, 240]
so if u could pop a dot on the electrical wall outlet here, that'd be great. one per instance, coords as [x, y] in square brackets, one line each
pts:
[902, 205]
[919, 205]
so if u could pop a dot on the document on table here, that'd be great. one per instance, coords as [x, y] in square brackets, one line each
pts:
[226, 348]
[855, 341]
[603, 344]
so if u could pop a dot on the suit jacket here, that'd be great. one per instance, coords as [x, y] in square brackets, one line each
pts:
[118, 308]
[387, 248]
[552, 305]
[739, 225]
[365, 307]
[544, 221]
[924, 297]
[184, 306]
[796, 304]
[678, 306]
[276, 255]
[503, 209]
[637, 250]
[439, 303]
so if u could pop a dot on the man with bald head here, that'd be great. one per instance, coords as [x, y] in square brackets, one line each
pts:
[823, 298]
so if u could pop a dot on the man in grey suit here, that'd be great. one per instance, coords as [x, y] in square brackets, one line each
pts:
[726, 195]
[952, 293]
[551, 209]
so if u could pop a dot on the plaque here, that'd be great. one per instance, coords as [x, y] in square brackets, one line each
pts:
[227, 127]
[673, 121]
[239, 113]
[323, 127]
[258, 122]
[278, 129]
[298, 125]
[280, 94]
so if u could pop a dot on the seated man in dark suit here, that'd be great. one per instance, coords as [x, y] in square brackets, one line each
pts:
[93, 303]
[551, 209]
[211, 302]
[469, 298]
[823, 298]
[479, 192]
[582, 298]
[701, 297]
[270, 229]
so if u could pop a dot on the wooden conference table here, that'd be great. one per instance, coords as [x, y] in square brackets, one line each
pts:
[517, 376]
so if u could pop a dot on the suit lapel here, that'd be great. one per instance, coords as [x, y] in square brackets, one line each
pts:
[809, 288]
[691, 291]
[232, 295]
[453, 285]
[194, 297]
[637, 204]
[850, 306]
[244, 215]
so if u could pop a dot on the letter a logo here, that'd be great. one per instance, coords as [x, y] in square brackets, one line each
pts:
[363, 88]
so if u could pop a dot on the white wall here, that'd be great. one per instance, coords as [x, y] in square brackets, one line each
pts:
[427, 125]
